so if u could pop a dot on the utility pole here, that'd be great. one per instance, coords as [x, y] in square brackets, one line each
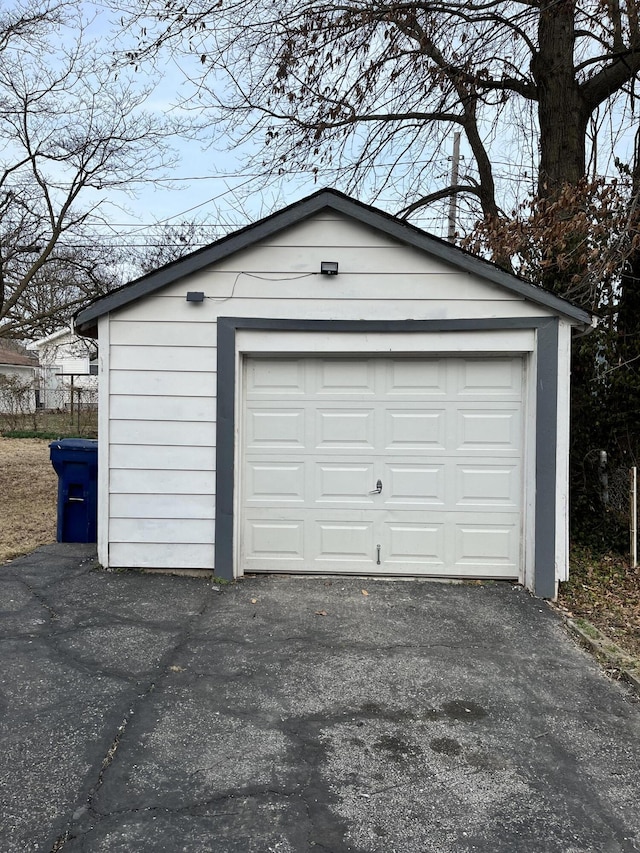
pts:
[453, 198]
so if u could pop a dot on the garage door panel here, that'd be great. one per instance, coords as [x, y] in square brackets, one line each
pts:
[276, 377]
[343, 541]
[267, 540]
[415, 378]
[413, 485]
[275, 482]
[341, 482]
[489, 377]
[488, 430]
[352, 377]
[419, 544]
[415, 429]
[339, 428]
[488, 546]
[276, 428]
[487, 486]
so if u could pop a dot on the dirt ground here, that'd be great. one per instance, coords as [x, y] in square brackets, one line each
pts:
[28, 496]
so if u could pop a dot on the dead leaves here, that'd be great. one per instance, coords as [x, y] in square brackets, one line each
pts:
[604, 590]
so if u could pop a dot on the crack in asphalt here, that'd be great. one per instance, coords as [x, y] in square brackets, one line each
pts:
[74, 828]
[303, 764]
[303, 737]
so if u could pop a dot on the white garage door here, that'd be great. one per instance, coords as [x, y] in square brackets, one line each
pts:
[382, 465]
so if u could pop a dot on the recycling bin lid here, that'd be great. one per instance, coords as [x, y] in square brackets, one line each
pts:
[75, 444]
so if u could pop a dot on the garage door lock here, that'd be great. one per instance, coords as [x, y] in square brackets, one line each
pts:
[377, 489]
[378, 560]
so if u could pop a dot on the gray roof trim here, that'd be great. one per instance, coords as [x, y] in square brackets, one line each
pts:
[85, 319]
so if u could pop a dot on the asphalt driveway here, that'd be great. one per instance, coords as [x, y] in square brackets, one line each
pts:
[279, 715]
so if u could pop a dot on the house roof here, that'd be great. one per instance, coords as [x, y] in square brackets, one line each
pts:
[9, 356]
[52, 338]
[326, 199]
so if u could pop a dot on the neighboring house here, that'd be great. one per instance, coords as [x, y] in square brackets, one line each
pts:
[67, 370]
[20, 366]
[406, 415]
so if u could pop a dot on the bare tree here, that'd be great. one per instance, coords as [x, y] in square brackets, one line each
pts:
[71, 129]
[70, 278]
[165, 243]
[368, 93]
[26, 19]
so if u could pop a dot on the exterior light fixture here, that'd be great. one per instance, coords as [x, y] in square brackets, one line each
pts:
[329, 267]
[195, 296]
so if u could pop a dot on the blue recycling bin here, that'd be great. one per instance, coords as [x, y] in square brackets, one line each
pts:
[75, 461]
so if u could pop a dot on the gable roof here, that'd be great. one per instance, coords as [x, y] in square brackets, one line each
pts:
[13, 358]
[325, 199]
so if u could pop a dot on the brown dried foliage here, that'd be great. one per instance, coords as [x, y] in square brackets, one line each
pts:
[28, 496]
[604, 590]
[575, 242]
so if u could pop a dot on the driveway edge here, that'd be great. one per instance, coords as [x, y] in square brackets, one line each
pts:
[605, 650]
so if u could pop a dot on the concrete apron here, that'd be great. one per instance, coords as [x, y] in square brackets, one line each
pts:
[156, 713]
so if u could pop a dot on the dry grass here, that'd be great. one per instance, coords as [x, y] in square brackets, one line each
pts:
[28, 496]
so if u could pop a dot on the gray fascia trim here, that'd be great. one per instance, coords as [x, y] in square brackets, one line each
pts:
[225, 441]
[546, 420]
[203, 258]
[546, 462]
[414, 237]
[299, 211]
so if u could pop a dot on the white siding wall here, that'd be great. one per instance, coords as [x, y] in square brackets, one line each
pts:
[162, 444]
[159, 408]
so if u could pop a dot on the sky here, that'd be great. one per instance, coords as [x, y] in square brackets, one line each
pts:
[205, 184]
[208, 175]
[208, 178]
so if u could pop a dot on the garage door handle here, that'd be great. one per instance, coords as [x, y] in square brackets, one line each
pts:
[377, 489]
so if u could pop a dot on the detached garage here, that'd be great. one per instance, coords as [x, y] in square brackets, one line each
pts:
[332, 390]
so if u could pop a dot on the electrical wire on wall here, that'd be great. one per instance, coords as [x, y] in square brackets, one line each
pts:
[260, 278]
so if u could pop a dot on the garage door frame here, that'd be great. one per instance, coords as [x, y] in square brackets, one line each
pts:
[546, 421]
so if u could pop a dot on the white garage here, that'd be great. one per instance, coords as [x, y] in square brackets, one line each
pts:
[406, 414]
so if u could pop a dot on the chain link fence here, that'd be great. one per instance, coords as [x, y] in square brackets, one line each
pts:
[65, 410]
[611, 500]
[67, 399]
[616, 495]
